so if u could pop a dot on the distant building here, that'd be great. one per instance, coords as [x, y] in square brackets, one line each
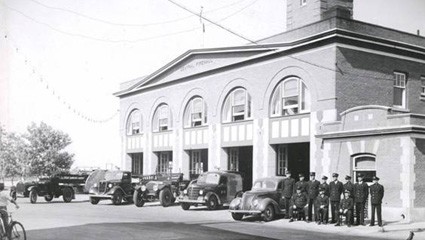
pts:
[330, 95]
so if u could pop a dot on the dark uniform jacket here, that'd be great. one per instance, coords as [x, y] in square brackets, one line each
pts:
[322, 201]
[349, 187]
[313, 189]
[326, 187]
[347, 203]
[288, 187]
[299, 200]
[361, 192]
[302, 184]
[335, 190]
[376, 193]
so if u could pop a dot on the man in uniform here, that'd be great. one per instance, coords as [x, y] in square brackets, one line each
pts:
[322, 205]
[299, 202]
[361, 192]
[301, 183]
[335, 189]
[325, 187]
[376, 195]
[345, 209]
[312, 192]
[288, 190]
[349, 186]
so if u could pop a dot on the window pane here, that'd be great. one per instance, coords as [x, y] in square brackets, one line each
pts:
[238, 110]
[275, 107]
[290, 111]
[197, 105]
[290, 88]
[197, 116]
[290, 101]
[305, 101]
[398, 96]
[365, 163]
[239, 97]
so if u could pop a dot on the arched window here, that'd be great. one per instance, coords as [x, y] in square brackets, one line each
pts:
[290, 97]
[162, 119]
[237, 106]
[134, 122]
[195, 113]
[365, 164]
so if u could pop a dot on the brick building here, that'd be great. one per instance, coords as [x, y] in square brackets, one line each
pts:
[331, 94]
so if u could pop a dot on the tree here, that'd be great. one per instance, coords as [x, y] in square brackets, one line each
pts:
[46, 151]
[14, 157]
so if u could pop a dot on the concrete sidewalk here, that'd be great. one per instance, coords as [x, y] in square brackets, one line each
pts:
[395, 230]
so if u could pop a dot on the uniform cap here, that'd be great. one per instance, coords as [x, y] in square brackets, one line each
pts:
[301, 175]
[347, 177]
[346, 191]
[375, 178]
[335, 175]
[299, 188]
[312, 174]
[321, 189]
[324, 178]
[360, 175]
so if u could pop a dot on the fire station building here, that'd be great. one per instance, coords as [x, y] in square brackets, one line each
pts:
[331, 94]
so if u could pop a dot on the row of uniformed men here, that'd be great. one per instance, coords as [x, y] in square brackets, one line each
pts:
[319, 195]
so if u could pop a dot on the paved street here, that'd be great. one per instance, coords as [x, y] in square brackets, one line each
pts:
[81, 220]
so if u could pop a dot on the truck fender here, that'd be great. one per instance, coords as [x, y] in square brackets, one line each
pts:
[31, 188]
[208, 195]
[267, 201]
[116, 188]
[235, 203]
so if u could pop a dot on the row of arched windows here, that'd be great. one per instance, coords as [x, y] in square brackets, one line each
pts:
[291, 96]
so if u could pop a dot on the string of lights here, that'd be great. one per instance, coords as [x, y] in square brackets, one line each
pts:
[48, 87]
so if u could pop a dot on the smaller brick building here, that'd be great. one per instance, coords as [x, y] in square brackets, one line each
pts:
[330, 95]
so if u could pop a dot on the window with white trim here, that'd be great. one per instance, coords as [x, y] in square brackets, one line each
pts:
[161, 119]
[423, 87]
[366, 165]
[195, 113]
[165, 162]
[399, 90]
[233, 159]
[281, 159]
[290, 97]
[237, 106]
[134, 123]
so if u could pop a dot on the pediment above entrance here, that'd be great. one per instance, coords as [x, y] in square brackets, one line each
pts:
[196, 62]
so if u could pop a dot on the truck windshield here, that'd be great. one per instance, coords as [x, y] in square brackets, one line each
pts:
[264, 184]
[113, 176]
[209, 178]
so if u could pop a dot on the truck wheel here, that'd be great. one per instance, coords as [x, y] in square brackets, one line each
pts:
[212, 203]
[33, 196]
[48, 197]
[67, 195]
[185, 206]
[237, 216]
[165, 197]
[117, 198]
[138, 198]
[268, 214]
[94, 201]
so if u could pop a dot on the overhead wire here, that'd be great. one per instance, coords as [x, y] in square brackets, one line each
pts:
[131, 24]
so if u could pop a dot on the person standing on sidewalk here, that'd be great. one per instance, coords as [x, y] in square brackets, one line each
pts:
[312, 193]
[346, 209]
[301, 183]
[324, 185]
[361, 193]
[349, 186]
[288, 190]
[322, 206]
[335, 189]
[376, 195]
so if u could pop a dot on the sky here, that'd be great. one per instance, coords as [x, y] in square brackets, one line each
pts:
[61, 60]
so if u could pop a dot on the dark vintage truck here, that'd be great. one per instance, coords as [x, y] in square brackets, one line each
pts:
[213, 189]
[117, 186]
[62, 184]
[265, 199]
[163, 187]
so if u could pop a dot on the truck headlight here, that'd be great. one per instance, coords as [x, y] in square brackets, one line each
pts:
[201, 192]
[185, 192]
[95, 185]
[143, 188]
[155, 187]
[110, 185]
[255, 202]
